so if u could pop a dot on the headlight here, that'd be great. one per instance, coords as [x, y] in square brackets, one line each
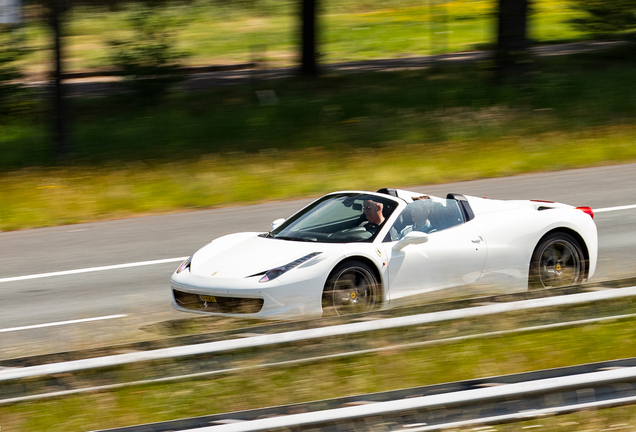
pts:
[184, 265]
[275, 272]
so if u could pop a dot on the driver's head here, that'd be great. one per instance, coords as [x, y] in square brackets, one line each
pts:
[373, 211]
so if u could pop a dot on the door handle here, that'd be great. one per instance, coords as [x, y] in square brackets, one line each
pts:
[477, 240]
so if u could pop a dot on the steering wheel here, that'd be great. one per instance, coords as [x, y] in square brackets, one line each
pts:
[371, 227]
[358, 233]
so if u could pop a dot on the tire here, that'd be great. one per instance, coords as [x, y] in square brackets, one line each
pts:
[352, 287]
[557, 261]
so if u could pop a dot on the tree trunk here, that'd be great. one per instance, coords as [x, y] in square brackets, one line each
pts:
[308, 65]
[61, 148]
[512, 45]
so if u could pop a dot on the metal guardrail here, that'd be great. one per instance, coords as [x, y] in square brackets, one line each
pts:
[228, 356]
[511, 399]
[53, 387]
[492, 400]
[309, 334]
[280, 327]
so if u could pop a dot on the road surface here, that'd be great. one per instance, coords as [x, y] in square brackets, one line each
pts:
[41, 311]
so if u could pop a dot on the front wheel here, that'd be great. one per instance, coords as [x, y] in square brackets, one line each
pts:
[352, 287]
[557, 261]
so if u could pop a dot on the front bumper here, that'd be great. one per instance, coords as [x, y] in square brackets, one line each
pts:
[247, 298]
[216, 304]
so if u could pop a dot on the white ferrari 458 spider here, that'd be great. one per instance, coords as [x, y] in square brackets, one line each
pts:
[352, 251]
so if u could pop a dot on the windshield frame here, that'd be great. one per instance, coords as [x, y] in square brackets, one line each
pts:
[392, 205]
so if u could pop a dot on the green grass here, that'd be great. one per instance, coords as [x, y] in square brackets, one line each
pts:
[386, 370]
[222, 147]
[232, 32]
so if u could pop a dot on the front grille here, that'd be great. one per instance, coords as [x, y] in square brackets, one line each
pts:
[234, 305]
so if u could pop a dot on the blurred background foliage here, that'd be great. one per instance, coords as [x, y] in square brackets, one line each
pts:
[13, 47]
[222, 31]
[147, 56]
[158, 147]
[606, 18]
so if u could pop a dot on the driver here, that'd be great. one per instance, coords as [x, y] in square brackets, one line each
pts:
[373, 212]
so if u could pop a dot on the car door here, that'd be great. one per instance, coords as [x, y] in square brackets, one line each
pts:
[449, 258]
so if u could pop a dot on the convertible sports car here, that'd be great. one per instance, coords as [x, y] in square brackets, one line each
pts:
[353, 251]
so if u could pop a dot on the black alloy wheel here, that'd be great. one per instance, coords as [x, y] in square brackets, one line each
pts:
[351, 288]
[557, 261]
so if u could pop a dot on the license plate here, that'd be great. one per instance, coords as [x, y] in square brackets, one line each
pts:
[210, 299]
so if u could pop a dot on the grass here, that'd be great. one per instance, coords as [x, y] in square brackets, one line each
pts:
[387, 370]
[223, 147]
[233, 32]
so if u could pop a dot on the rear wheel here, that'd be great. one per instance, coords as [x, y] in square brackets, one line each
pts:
[557, 261]
[351, 288]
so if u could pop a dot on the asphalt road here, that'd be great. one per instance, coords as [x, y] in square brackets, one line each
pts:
[127, 299]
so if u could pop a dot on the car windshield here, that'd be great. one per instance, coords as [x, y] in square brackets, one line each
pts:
[338, 218]
[427, 214]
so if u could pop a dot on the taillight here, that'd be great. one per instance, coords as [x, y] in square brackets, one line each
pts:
[587, 211]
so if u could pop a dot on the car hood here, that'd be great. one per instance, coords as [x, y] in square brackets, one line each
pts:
[246, 254]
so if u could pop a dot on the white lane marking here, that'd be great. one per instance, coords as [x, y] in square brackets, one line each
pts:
[92, 269]
[60, 323]
[607, 209]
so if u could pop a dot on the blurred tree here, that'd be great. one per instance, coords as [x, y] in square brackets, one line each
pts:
[13, 46]
[605, 17]
[512, 44]
[148, 58]
[56, 10]
[308, 38]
